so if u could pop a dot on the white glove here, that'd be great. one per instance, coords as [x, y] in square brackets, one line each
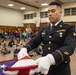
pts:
[32, 71]
[22, 53]
[44, 63]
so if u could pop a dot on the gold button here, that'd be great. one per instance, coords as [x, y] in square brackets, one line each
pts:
[65, 61]
[49, 48]
[49, 36]
[49, 42]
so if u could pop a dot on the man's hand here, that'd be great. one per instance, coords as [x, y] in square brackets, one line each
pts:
[22, 53]
[44, 63]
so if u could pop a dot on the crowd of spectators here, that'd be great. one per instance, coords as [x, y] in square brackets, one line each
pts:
[15, 40]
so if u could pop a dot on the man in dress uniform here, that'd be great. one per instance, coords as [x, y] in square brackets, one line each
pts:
[58, 41]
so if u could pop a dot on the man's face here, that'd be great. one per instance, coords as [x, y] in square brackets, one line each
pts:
[54, 13]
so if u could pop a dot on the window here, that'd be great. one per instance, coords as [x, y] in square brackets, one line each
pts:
[70, 11]
[25, 16]
[66, 11]
[44, 14]
[73, 11]
[35, 15]
[30, 16]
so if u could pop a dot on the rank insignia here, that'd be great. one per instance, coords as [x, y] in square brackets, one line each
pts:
[43, 33]
[66, 53]
[62, 30]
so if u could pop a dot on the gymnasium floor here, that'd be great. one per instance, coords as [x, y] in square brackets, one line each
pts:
[73, 63]
[73, 60]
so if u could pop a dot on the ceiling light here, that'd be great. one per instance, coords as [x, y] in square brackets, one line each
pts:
[22, 8]
[44, 4]
[10, 5]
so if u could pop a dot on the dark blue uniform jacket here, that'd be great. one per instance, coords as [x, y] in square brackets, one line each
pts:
[60, 42]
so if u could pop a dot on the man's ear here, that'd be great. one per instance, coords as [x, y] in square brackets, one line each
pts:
[60, 11]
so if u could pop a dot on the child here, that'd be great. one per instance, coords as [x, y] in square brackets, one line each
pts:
[11, 43]
[4, 48]
[16, 50]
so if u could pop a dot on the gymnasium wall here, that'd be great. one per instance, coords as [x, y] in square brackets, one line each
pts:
[10, 17]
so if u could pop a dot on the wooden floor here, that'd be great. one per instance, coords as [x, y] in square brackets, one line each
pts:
[73, 60]
[73, 63]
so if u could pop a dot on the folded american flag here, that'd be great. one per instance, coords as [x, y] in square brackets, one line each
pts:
[17, 67]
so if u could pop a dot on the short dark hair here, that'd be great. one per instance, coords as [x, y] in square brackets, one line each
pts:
[56, 3]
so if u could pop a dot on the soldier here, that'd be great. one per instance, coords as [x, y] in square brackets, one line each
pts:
[58, 44]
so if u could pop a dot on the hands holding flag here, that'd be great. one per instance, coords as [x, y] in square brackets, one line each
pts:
[42, 64]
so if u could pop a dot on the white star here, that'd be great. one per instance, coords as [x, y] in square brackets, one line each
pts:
[2, 66]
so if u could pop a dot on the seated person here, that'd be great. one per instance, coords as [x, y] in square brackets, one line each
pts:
[5, 49]
[11, 43]
[16, 50]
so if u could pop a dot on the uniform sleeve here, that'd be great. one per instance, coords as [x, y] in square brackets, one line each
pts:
[35, 42]
[68, 47]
